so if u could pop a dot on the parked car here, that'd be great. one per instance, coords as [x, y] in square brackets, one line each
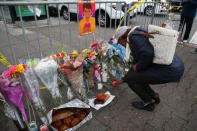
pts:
[148, 7]
[113, 11]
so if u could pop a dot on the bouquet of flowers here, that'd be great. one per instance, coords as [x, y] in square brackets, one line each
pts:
[116, 60]
[72, 71]
[46, 70]
[33, 89]
[12, 89]
[13, 92]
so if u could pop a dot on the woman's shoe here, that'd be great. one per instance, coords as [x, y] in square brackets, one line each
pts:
[142, 106]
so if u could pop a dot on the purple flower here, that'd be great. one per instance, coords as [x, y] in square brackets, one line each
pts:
[111, 40]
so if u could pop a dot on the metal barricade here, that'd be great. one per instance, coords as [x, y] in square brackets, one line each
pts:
[43, 41]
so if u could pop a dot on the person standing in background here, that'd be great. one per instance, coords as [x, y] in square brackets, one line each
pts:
[187, 17]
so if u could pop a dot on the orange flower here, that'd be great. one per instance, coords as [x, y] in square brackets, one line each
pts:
[90, 55]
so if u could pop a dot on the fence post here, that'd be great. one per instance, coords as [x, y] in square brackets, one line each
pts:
[125, 14]
[153, 14]
[8, 35]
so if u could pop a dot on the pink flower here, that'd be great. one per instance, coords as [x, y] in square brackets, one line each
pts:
[102, 54]
[9, 72]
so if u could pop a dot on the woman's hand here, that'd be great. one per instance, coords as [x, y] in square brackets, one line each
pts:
[117, 81]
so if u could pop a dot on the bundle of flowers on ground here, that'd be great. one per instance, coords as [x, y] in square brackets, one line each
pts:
[12, 88]
[46, 69]
[33, 88]
[78, 71]
[72, 71]
[94, 66]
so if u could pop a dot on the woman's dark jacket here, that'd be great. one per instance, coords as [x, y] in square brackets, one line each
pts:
[143, 53]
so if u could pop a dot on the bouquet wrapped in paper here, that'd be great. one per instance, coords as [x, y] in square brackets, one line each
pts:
[9, 112]
[73, 72]
[46, 70]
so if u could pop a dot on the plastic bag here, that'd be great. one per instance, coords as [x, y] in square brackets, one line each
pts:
[69, 94]
[75, 104]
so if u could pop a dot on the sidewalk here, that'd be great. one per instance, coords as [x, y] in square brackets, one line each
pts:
[176, 112]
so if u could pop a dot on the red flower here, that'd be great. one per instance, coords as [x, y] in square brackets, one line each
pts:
[58, 55]
[94, 44]
[163, 25]
[63, 67]
[24, 66]
[167, 8]
[114, 83]
[62, 54]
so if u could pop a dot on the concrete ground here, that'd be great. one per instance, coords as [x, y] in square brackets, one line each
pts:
[176, 112]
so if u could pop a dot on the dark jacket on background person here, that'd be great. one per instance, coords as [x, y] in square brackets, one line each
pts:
[189, 8]
[143, 54]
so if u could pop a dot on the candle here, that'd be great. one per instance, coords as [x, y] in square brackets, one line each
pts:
[33, 126]
[100, 86]
[43, 128]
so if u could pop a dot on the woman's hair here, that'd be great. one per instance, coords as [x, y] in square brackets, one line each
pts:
[87, 5]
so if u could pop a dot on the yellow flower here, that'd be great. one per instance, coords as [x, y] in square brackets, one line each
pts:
[18, 69]
[74, 53]
[85, 51]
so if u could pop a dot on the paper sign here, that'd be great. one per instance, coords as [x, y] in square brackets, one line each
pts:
[37, 11]
[86, 16]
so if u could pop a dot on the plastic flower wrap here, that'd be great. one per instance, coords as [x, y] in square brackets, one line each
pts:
[105, 75]
[12, 91]
[88, 71]
[73, 72]
[33, 89]
[116, 60]
[116, 49]
[97, 73]
[7, 109]
[46, 70]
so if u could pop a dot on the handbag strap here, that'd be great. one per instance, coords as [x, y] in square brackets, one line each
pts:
[148, 35]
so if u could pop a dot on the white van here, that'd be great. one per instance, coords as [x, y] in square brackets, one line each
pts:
[113, 11]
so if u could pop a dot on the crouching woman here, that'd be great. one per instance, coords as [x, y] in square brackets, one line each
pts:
[143, 71]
